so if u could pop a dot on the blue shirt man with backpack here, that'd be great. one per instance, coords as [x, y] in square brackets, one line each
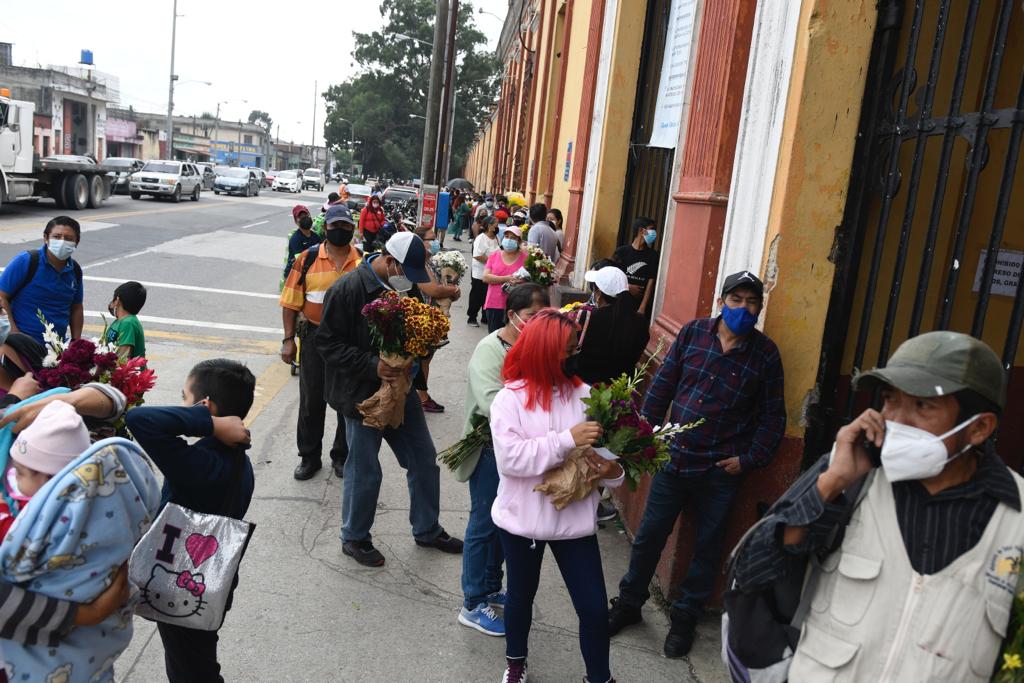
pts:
[46, 281]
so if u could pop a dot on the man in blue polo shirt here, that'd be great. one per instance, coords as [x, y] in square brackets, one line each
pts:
[47, 281]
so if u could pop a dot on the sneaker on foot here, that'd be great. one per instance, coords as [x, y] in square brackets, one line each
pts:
[483, 619]
[515, 671]
[497, 599]
[680, 635]
[363, 552]
[307, 468]
[606, 511]
[444, 543]
[432, 406]
[621, 615]
[339, 468]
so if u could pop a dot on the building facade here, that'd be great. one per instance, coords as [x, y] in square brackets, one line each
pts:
[861, 156]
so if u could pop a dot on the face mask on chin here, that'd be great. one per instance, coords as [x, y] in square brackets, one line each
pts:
[912, 453]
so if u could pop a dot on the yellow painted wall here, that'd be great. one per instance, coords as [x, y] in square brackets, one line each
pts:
[577, 58]
[554, 65]
[618, 125]
[539, 41]
[823, 108]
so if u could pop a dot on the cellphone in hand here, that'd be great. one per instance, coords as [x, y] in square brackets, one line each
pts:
[874, 453]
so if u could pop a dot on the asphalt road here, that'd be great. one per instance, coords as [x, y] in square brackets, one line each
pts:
[303, 611]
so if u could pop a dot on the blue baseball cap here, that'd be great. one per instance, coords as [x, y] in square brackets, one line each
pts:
[338, 213]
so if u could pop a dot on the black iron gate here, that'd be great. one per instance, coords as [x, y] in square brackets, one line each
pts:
[941, 124]
[648, 169]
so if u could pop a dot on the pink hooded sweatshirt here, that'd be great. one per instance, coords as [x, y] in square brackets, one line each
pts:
[528, 443]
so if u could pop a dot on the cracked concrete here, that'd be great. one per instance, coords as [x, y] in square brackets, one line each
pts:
[305, 612]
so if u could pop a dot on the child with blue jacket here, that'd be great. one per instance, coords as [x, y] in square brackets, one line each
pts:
[213, 476]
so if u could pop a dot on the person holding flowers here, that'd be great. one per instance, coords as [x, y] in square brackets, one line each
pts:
[613, 335]
[356, 370]
[537, 420]
[501, 269]
[432, 293]
[725, 378]
[472, 460]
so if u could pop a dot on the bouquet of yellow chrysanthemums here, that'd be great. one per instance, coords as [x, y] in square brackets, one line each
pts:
[402, 329]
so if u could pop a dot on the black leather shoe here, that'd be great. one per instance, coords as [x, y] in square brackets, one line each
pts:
[363, 552]
[680, 635]
[444, 543]
[339, 468]
[621, 615]
[307, 468]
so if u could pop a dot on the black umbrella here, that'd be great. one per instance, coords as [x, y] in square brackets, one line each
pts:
[459, 184]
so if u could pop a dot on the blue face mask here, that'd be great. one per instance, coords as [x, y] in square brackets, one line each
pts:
[650, 237]
[509, 244]
[738, 319]
[435, 246]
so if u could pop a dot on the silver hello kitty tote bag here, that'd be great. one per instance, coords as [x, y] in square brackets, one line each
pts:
[185, 567]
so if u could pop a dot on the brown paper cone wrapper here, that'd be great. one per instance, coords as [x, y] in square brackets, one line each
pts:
[568, 482]
[386, 408]
[445, 305]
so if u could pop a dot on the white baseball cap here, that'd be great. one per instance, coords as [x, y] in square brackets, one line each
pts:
[610, 280]
[514, 229]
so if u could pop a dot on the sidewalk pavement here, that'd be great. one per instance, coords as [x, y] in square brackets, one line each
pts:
[305, 612]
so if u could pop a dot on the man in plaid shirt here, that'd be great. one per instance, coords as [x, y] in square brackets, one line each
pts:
[729, 374]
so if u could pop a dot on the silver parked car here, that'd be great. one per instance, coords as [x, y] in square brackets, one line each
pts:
[121, 178]
[209, 175]
[173, 179]
[240, 181]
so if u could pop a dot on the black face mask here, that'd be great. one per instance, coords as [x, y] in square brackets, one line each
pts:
[305, 222]
[571, 365]
[339, 237]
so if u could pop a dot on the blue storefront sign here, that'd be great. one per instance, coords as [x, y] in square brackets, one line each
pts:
[234, 153]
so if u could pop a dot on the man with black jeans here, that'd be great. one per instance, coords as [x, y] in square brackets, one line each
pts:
[312, 274]
[729, 374]
[355, 372]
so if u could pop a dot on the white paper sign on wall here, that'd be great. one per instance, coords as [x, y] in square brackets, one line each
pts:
[1006, 276]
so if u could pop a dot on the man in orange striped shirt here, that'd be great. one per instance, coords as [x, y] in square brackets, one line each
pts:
[302, 303]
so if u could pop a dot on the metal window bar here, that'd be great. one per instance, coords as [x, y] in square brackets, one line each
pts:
[954, 121]
[978, 150]
[999, 221]
[890, 187]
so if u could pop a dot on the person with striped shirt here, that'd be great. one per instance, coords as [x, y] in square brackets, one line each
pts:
[302, 303]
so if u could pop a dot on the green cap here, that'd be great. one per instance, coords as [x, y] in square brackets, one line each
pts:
[939, 364]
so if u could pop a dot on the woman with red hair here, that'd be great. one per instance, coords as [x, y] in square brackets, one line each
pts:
[536, 420]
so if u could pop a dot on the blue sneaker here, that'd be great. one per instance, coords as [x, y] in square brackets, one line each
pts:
[497, 599]
[483, 619]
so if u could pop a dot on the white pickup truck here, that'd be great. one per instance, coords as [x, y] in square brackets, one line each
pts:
[72, 182]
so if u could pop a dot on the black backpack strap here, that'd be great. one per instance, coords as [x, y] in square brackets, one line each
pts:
[308, 261]
[33, 268]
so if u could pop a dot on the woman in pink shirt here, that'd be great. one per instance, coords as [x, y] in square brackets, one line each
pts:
[500, 269]
[536, 420]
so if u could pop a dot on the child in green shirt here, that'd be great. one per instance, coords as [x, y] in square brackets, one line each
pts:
[126, 330]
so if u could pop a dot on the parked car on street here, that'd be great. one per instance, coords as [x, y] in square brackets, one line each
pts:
[271, 174]
[241, 181]
[209, 175]
[121, 178]
[173, 179]
[358, 195]
[313, 177]
[261, 176]
[287, 181]
[397, 195]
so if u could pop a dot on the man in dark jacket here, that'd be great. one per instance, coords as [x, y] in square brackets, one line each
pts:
[355, 371]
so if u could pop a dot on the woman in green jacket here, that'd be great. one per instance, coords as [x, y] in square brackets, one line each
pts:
[482, 556]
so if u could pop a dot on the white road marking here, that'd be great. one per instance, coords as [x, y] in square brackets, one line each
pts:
[191, 288]
[193, 323]
[117, 258]
[253, 225]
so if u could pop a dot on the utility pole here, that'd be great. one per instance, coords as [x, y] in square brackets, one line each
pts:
[428, 165]
[447, 112]
[170, 88]
[313, 139]
[216, 125]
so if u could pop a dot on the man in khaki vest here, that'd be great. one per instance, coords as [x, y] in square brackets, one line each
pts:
[922, 585]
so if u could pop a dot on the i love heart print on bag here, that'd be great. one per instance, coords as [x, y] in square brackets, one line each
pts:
[185, 566]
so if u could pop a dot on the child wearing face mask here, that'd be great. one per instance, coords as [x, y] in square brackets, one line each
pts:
[126, 330]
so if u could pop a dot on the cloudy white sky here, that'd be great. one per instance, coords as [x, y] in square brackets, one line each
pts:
[268, 53]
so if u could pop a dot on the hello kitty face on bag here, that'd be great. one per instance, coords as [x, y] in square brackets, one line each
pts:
[174, 594]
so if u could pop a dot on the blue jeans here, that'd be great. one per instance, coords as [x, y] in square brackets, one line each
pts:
[414, 450]
[579, 561]
[482, 556]
[712, 493]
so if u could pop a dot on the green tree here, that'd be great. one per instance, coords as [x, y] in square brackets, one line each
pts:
[261, 117]
[391, 84]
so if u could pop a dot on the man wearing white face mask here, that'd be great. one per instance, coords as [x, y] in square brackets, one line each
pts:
[354, 372]
[921, 584]
[47, 280]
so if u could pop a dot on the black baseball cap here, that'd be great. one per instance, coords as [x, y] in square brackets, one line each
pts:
[941, 363]
[744, 278]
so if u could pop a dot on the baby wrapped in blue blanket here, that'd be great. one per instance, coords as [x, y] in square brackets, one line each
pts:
[68, 543]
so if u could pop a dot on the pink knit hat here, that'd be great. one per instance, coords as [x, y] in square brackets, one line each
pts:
[55, 438]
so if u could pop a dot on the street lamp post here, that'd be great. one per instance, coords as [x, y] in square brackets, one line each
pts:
[216, 119]
[170, 87]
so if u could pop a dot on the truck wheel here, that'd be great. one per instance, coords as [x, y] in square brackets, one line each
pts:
[195, 194]
[57, 191]
[76, 191]
[95, 191]
[135, 195]
[177, 194]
